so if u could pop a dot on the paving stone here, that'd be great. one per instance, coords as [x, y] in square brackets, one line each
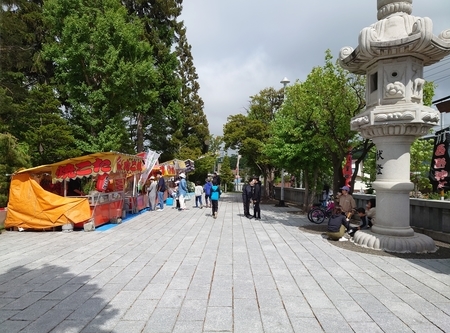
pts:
[162, 320]
[219, 319]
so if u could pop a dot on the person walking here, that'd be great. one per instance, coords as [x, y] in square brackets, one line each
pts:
[215, 195]
[207, 191]
[151, 191]
[256, 198]
[161, 187]
[182, 191]
[198, 195]
[246, 198]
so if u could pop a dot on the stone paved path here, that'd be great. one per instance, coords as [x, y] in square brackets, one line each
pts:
[174, 271]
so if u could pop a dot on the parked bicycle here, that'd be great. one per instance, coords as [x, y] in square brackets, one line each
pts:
[320, 213]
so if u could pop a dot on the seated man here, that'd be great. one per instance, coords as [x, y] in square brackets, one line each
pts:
[337, 225]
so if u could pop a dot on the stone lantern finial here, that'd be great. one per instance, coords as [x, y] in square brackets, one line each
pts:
[389, 7]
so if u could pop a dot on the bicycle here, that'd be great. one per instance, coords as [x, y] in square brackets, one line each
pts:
[319, 214]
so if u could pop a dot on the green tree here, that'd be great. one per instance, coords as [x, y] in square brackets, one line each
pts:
[248, 133]
[21, 64]
[226, 175]
[334, 97]
[14, 156]
[47, 134]
[421, 154]
[311, 132]
[293, 143]
[21, 40]
[192, 129]
[103, 69]
[155, 125]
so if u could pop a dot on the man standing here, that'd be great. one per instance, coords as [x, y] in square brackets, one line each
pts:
[161, 190]
[256, 198]
[246, 198]
[346, 202]
[216, 178]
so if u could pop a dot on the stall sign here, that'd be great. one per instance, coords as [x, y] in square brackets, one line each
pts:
[99, 165]
[439, 174]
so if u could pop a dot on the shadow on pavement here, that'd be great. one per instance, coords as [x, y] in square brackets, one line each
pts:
[51, 299]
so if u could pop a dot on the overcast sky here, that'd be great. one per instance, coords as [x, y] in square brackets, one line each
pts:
[241, 47]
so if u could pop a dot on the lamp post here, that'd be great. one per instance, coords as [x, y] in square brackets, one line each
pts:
[285, 81]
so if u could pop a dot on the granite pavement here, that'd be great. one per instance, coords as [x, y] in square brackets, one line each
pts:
[184, 271]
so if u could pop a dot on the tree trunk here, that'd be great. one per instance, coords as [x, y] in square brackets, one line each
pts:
[139, 133]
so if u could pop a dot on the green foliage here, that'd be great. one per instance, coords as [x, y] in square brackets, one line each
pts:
[369, 168]
[428, 93]
[248, 134]
[437, 196]
[49, 136]
[104, 67]
[311, 131]
[421, 155]
[226, 175]
[14, 156]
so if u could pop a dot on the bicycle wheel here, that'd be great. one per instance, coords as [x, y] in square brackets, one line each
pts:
[316, 215]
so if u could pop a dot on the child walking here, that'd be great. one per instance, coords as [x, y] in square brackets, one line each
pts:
[215, 195]
[198, 194]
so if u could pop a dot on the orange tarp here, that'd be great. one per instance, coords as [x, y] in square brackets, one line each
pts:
[32, 207]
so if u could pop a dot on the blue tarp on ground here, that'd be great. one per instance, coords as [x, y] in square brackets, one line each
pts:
[108, 226]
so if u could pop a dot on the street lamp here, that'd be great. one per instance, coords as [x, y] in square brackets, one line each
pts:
[285, 81]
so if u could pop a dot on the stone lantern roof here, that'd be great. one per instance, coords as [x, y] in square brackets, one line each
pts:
[396, 34]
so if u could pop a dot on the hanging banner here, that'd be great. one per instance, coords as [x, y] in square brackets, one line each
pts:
[150, 160]
[347, 171]
[440, 163]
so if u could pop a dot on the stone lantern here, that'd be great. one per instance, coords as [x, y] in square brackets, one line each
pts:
[392, 53]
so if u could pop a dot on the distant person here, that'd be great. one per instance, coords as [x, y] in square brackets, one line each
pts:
[182, 191]
[215, 195]
[346, 202]
[151, 191]
[74, 188]
[293, 181]
[216, 178]
[247, 198]
[337, 225]
[363, 218]
[161, 188]
[256, 198]
[207, 191]
[371, 211]
[175, 194]
[325, 194]
[198, 194]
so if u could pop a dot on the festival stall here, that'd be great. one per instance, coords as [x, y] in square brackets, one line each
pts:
[38, 196]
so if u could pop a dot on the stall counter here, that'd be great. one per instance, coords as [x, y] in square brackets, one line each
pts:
[105, 207]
